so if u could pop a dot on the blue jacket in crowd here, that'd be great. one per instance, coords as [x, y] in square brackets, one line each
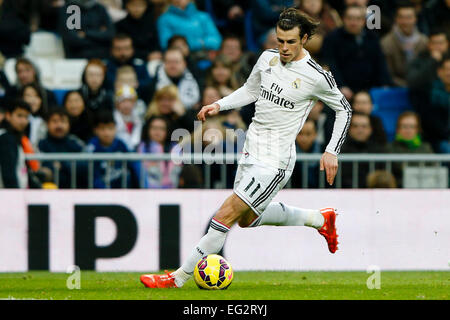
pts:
[197, 26]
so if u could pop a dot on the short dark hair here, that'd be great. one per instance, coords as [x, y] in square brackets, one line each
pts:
[121, 36]
[103, 117]
[57, 111]
[404, 4]
[175, 38]
[292, 17]
[18, 104]
[436, 32]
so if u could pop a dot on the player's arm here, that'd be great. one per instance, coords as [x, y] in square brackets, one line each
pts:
[243, 96]
[327, 92]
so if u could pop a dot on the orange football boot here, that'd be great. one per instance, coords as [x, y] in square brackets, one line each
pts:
[328, 229]
[159, 280]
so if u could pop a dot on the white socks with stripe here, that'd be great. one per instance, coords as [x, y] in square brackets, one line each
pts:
[211, 243]
[279, 214]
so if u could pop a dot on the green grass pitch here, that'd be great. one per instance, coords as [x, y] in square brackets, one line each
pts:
[246, 286]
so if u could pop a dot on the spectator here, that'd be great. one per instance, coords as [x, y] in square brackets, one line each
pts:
[440, 107]
[210, 95]
[354, 55]
[265, 14]
[93, 88]
[93, 40]
[362, 103]
[306, 142]
[122, 54]
[329, 20]
[14, 32]
[408, 140]
[166, 102]
[59, 140]
[270, 40]
[13, 169]
[36, 129]
[27, 73]
[215, 141]
[175, 72]
[191, 177]
[159, 7]
[183, 18]
[242, 62]
[221, 76]
[408, 137]
[141, 27]
[81, 118]
[126, 76]
[359, 141]
[107, 175]
[422, 73]
[403, 43]
[156, 140]
[381, 179]
[423, 69]
[228, 15]
[128, 123]
[194, 65]
[437, 15]
[46, 15]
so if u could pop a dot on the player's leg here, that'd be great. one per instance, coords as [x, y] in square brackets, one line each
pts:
[212, 242]
[279, 214]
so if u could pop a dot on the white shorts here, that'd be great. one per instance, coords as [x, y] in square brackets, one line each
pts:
[258, 184]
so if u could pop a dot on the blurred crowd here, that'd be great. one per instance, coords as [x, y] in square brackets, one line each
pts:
[152, 64]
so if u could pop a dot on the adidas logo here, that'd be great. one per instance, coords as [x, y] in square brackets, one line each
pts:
[269, 71]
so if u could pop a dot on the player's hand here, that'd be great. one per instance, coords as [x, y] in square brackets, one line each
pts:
[210, 110]
[329, 163]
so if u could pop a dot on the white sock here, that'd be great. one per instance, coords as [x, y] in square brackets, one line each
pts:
[211, 243]
[279, 214]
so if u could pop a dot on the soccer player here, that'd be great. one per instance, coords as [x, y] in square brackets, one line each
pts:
[285, 83]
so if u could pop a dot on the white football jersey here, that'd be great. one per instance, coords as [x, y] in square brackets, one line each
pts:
[284, 95]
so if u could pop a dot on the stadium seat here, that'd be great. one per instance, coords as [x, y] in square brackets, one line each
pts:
[46, 71]
[59, 95]
[425, 178]
[388, 104]
[249, 36]
[68, 73]
[45, 45]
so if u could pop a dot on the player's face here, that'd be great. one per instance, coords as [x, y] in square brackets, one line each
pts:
[289, 44]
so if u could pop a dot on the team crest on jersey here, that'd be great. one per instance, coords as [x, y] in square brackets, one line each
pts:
[296, 83]
[273, 61]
